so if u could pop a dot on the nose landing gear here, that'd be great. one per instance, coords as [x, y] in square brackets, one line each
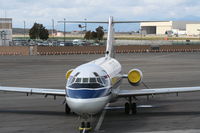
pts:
[85, 126]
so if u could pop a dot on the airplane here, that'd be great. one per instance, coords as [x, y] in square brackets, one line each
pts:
[91, 86]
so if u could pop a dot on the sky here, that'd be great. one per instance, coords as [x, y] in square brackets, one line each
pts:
[43, 11]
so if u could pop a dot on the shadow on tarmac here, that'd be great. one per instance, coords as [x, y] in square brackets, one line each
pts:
[35, 112]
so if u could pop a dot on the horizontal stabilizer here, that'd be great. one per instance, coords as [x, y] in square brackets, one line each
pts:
[106, 22]
[136, 21]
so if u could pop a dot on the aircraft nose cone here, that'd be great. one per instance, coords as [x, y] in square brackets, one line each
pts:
[87, 106]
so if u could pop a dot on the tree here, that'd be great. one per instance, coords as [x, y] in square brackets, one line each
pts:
[44, 34]
[100, 33]
[38, 31]
[95, 35]
[87, 35]
[34, 31]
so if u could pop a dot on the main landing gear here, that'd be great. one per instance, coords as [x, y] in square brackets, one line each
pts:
[130, 107]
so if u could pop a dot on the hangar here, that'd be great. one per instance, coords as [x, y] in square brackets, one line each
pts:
[155, 27]
[5, 31]
[176, 27]
[193, 29]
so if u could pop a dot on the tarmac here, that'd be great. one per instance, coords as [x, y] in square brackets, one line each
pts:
[158, 114]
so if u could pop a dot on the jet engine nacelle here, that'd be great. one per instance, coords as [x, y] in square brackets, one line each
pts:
[135, 77]
[68, 73]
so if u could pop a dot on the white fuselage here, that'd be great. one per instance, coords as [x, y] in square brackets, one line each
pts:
[93, 100]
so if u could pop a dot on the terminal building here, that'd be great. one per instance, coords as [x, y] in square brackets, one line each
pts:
[5, 31]
[188, 28]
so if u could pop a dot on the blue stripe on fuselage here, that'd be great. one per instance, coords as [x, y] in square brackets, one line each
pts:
[86, 93]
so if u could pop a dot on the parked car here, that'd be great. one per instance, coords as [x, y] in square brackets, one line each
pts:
[78, 42]
[67, 43]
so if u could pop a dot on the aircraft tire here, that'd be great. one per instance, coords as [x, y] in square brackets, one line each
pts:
[134, 108]
[127, 108]
[88, 125]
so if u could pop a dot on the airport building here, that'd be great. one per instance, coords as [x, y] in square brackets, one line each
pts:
[189, 28]
[5, 31]
[193, 29]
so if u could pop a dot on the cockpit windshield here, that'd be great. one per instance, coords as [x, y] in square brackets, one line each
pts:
[92, 82]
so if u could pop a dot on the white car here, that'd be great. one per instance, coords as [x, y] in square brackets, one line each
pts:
[78, 42]
[62, 44]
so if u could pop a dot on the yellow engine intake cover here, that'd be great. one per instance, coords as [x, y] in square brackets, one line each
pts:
[68, 73]
[134, 76]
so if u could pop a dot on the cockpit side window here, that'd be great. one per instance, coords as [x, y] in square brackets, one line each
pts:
[78, 80]
[104, 80]
[96, 74]
[99, 80]
[76, 74]
[72, 81]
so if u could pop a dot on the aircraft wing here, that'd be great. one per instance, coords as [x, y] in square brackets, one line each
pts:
[144, 92]
[58, 92]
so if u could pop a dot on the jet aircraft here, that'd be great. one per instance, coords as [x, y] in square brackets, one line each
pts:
[91, 86]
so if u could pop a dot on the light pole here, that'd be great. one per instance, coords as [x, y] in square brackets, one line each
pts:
[3, 37]
[64, 29]
[53, 28]
[85, 25]
[141, 30]
[64, 22]
[24, 29]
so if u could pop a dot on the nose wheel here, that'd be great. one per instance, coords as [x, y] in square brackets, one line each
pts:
[130, 107]
[85, 126]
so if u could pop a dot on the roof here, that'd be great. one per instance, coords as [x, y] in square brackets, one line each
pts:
[181, 25]
[87, 70]
[5, 20]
